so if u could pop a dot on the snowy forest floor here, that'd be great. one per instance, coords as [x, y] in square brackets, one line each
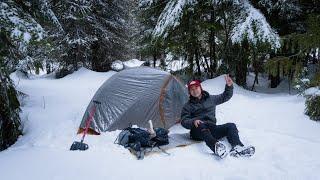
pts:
[287, 141]
[264, 85]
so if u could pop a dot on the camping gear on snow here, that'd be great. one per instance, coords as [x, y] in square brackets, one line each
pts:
[80, 145]
[134, 96]
[140, 141]
[137, 140]
[177, 140]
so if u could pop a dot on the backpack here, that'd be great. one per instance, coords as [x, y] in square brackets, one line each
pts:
[162, 137]
[139, 139]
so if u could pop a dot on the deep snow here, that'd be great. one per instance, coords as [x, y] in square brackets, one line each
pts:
[287, 142]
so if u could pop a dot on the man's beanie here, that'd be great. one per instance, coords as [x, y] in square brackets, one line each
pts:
[194, 83]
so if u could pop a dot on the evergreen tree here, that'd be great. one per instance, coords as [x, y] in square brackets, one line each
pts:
[149, 11]
[189, 27]
[9, 104]
[95, 33]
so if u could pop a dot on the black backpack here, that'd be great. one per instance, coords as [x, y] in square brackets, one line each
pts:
[161, 138]
[138, 139]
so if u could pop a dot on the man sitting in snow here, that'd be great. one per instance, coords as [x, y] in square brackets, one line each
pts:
[198, 115]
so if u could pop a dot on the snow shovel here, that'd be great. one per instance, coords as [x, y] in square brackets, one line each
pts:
[80, 145]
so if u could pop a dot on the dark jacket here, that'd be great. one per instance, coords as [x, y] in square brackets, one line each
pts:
[204, 108]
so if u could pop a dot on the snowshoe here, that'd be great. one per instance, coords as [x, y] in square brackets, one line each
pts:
[220, 150]
[242, 151]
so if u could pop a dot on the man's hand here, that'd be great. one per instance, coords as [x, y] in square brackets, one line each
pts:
[228, 79]
[197, 122]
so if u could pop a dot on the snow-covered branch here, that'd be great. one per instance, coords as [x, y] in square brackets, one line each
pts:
[171, 16]
[253, 25]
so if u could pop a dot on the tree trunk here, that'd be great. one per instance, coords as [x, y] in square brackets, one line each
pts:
[290, 77]
[191, 63]
[275, 80]
[48, 67]
[241, 69]
[207, 65]
[154, 59]
[212, 44]
[197, 62]
[255, 80]
[255, 65]
[162, 61]
[228, 44]
[94, 59]
[306, 59]
[241, 73]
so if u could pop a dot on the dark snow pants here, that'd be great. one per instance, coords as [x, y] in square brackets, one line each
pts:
[211, 133]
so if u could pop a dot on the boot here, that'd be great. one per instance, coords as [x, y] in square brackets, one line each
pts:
[242, 151]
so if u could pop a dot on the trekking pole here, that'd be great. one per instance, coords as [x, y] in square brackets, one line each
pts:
[80, 145]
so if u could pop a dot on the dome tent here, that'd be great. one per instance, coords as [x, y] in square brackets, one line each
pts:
[134, 96]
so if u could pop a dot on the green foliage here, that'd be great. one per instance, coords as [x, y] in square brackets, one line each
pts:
[312, 107]
[311, 38]
[302, 82]
[147, 16]
[223, 69]
[9, 104]
[308, 41]
[315, 81]
[283, 65]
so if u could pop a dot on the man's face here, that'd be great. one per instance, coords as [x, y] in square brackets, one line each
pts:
[195, 91]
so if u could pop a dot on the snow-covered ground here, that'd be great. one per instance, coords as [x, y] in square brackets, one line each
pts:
[287, 142]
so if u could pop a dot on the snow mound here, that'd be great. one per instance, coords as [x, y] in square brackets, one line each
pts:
[117, 65]
[313, 91]
[133, 63]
